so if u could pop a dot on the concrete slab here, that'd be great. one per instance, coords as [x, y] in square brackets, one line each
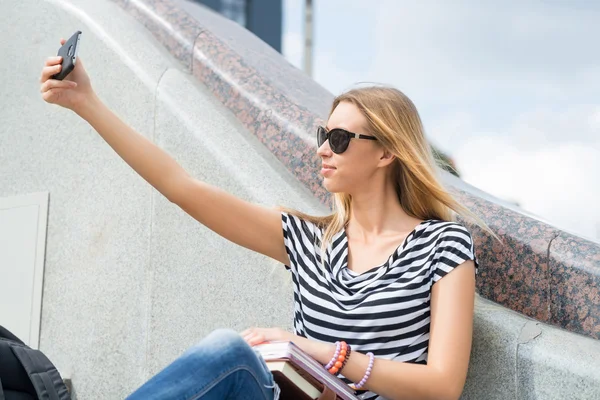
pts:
[494, 352]
[558, 365]
[212, 283]
[93, 325]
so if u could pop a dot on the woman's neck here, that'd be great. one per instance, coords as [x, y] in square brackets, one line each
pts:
[378, 212]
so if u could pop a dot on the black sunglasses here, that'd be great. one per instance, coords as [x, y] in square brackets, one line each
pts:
[339, 138]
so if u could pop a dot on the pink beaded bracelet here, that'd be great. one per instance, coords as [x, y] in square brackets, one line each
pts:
[338, 345]
[362, 382]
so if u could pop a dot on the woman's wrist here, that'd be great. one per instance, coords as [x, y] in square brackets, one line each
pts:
[322, 352]
[86, 108]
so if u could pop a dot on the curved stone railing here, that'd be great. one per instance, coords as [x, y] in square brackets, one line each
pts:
[543, 272]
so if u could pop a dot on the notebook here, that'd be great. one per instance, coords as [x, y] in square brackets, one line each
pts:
[307, 368]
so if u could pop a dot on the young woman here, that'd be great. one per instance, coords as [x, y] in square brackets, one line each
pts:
[384, 285]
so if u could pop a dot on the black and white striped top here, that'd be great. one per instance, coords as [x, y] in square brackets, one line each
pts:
[385, 310]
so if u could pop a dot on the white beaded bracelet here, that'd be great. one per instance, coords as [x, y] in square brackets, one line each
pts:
[362, 382]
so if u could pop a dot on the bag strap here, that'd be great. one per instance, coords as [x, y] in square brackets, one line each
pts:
[44, 376]
[6, 334]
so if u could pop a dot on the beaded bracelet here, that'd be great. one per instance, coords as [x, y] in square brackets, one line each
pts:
[340, 355]
[346, 360]
[362, 382]
[335, 356]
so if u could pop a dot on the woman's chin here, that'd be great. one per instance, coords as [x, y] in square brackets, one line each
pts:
[330, 186]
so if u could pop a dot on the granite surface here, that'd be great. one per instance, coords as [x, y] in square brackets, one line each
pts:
[514, 273]
[574, 273]
[282, 75]
[538, 270]
[173, 27]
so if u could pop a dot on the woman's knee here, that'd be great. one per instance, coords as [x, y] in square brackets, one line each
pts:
[223, 342]
[223, 337]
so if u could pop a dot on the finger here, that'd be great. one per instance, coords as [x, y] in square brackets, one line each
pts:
[48, 72]
[249, 331]
[248, 336]
[51, 94]
[62, 41]
[53, 60]
[256, 339]
[56, 84]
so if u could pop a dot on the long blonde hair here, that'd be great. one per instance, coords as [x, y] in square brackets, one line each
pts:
[394, 120]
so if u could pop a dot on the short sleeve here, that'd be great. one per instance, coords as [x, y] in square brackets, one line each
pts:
[455, 246]
[299, 238]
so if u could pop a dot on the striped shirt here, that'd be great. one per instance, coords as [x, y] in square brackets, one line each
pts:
[385, 310]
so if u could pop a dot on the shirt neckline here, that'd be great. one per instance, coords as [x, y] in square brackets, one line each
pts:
[374, 269]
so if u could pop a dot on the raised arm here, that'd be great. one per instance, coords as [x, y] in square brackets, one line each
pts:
[252, 226]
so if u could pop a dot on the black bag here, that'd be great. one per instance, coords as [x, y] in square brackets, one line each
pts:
[27, 374]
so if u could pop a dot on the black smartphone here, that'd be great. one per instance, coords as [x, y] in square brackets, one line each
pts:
[68, 52]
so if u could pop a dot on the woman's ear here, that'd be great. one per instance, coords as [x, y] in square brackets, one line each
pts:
[387, 158]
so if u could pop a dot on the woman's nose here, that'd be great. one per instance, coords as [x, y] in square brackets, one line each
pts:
[324, 150]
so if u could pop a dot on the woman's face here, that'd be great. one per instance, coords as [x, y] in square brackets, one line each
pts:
[351, 170]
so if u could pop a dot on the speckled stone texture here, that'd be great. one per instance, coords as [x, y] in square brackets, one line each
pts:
[574, 271]
[282, 126]
[174, 28]
[515, 273]
[544, 273]
[538, 270]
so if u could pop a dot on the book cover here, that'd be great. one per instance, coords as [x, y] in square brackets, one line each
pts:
[307, 367]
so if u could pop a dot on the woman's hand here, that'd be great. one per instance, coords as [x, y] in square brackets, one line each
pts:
[322, 352]
[254, 336]
[72, 92]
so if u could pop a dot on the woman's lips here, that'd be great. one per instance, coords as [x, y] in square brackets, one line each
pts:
[327, 170]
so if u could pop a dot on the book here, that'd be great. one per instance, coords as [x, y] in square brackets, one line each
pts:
[309, 369]
[291, 382]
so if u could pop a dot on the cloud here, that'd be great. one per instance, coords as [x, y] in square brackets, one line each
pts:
[293, 48]
[461, 49]
[558, 182]
[573, 124]
[344, 79]
[293, 31]
[531, 129]
[450, 131]
[547, 160]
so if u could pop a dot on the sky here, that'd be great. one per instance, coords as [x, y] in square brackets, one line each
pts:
[510, 90]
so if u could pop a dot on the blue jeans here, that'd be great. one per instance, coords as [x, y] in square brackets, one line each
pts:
[222, 366]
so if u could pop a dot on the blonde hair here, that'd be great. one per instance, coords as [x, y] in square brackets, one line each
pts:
[394, 120]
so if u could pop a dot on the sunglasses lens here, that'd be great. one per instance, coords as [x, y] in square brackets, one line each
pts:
[338, 141]
[321, 136]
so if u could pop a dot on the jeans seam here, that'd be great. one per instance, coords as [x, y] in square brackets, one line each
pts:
[218, 380]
